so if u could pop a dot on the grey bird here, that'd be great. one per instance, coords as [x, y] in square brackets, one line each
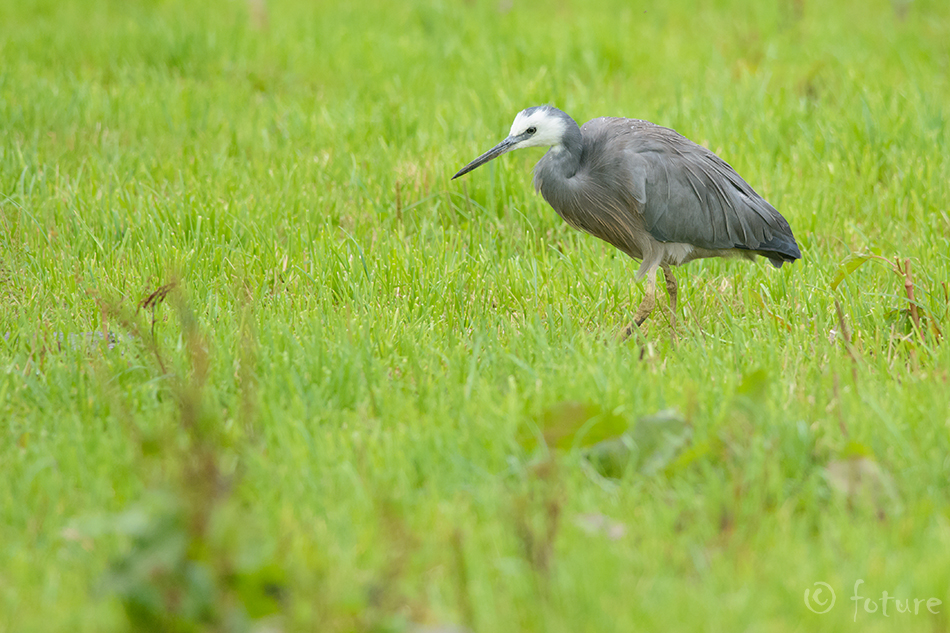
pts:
[649, 191]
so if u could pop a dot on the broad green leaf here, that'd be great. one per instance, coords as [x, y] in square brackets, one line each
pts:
[650, 447]
[571, 424]
[847, 266]
[659, 438]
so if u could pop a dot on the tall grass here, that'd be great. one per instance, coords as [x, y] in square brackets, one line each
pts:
[331, 422]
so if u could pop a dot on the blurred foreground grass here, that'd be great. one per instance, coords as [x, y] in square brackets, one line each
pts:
[331, 420]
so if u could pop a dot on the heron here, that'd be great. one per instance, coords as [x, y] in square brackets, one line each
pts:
[649, 191]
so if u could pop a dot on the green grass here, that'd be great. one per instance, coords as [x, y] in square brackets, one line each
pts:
[341, 391]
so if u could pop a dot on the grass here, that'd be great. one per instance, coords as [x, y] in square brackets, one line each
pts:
[328, 422]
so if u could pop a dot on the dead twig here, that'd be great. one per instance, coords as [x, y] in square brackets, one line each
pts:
[905, 272]
[149, 303]
[846, 339]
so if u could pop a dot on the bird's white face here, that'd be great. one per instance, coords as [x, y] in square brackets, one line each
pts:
[534, 127]
[539, 128]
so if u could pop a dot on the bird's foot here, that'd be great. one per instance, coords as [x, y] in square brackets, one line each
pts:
[627, 331]
[644, 311]
[638, 321]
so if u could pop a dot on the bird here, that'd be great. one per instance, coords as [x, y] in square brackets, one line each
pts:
[649, 191]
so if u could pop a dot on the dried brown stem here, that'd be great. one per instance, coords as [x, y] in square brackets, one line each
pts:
[909, 288]
[846, 338]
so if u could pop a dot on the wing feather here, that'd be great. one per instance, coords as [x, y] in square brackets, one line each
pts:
[688, 194]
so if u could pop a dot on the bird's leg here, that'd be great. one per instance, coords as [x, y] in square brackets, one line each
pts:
[670, 287]
[671, 290]
[649, 301]
[646, 306]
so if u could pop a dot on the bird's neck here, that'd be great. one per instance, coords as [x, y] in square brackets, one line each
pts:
[565, 157]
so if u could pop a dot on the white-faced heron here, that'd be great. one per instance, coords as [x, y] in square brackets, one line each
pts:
[652, 193]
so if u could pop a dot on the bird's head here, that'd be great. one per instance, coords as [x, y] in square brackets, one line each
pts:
[538, 126]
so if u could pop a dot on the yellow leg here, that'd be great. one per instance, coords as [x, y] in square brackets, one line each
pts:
[670, 287]
[649, 301]
[671, 290]
[646, 306]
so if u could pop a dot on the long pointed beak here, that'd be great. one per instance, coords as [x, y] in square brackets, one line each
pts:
[505, 146]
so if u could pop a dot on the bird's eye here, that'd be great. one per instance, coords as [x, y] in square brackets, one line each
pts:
[531, 130]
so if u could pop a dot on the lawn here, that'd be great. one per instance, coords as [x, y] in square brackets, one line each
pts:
[264, 366]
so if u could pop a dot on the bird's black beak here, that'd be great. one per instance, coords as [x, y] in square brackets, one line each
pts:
[505, 146]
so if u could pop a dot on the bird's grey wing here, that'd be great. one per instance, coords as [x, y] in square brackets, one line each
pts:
[688, 194]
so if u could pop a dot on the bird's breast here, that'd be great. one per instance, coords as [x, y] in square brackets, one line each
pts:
[590, 208]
